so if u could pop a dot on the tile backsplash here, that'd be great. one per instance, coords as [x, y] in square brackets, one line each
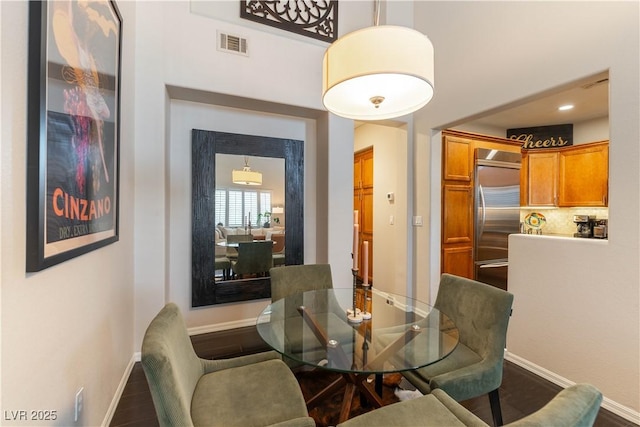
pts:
[560, 220]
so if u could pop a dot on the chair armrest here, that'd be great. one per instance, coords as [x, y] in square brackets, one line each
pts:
[220, 364]
[574, 406]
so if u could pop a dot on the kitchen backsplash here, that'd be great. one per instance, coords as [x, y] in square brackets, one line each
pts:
[560, 221]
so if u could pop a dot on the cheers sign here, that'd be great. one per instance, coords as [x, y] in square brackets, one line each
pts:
[543, 136]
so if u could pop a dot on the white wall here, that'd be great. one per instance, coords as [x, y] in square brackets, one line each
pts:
[68, 326]
[485, 59]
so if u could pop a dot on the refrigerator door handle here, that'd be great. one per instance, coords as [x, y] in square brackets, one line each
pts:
[483, 215]
[495, 265]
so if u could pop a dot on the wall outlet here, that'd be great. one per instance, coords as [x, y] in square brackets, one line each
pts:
[79, 403]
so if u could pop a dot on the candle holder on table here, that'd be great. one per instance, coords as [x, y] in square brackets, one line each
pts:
[354, 315]
[366, 313]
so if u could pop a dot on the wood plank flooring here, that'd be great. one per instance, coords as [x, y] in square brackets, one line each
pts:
[521, 393]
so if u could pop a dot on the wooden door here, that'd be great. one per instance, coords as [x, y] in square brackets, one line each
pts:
[363, 203]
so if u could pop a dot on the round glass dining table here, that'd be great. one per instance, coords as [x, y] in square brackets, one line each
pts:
[313, 328]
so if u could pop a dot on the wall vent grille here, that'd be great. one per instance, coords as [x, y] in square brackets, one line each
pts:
[233, 44]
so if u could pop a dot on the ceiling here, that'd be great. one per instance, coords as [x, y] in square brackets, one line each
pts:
[590, 97]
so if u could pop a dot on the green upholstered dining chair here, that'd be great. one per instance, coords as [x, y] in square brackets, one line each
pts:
[223, 264]
[278, 249]
[575, 406]
[254, 258]
[232, 253]
[481, 313]
[254, 390]
[294, 279]
[291, 281]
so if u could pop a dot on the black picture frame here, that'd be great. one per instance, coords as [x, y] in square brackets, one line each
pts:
[73, 117]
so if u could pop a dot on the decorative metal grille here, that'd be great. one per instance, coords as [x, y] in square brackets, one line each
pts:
[312, 18]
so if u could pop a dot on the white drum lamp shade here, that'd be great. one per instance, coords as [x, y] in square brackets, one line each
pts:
[378, 73]
[246, 176]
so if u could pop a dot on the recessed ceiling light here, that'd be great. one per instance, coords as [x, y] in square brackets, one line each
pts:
[565, 107]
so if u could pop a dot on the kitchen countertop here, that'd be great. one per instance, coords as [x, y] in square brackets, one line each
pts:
[559, 236]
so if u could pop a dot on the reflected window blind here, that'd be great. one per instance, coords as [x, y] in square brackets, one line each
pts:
[235, 209]
[221, 207]
[251, 206]
[265, 202]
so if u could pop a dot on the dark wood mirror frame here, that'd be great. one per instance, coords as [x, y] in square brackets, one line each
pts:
[205, 145]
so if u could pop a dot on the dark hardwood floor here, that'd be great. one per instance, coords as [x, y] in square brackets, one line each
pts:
[521, 392]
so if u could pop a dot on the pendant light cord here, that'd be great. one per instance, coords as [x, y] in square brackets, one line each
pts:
[376, 12]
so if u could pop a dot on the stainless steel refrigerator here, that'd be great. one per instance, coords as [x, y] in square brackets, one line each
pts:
[497, 213]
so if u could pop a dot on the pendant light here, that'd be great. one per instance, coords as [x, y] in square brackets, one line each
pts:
[246, 176]
[378, 72]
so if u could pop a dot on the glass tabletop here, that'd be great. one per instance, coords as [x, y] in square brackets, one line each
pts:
[313, 328]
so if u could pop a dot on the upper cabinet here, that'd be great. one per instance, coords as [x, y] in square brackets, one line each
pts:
[539, 178]
[458, 158]
[566, 177]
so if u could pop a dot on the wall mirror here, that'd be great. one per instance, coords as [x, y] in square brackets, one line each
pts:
[214, 157]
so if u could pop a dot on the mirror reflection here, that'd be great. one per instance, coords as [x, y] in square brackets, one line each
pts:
[249, 210]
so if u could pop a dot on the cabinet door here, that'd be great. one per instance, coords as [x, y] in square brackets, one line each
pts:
[541, 178]
[584, 176]
[458, 159]
[458, 261]
[457, 214]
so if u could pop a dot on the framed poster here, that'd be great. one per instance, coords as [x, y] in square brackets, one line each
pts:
[73, 129]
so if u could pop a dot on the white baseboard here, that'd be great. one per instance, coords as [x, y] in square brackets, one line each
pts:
[137, 357]
[221, 326]
[118, 394]
[608, 404]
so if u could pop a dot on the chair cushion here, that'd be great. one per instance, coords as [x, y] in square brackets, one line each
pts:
[254, 395]
[460, 357]
[425, 411]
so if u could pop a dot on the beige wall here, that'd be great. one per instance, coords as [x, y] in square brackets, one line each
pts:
[68, 326]
[389, 176]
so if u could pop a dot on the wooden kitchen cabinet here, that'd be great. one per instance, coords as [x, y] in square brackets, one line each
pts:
[539, 178]
[457, 159]
[572, 176]
[458, 261]
[583, 178]
[457, 212]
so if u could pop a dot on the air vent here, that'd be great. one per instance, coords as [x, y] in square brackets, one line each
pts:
[596, 83]
[233, 44]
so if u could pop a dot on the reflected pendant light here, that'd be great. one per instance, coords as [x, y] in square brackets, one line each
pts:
[246, 176]
[378, 73]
